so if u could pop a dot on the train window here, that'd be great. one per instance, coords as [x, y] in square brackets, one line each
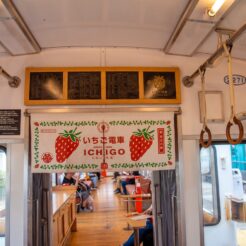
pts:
[3, 166]
[210, 196]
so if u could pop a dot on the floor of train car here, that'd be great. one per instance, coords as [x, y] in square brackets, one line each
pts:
[104, 226]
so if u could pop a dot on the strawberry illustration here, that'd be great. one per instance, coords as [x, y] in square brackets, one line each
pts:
[66, 144]
[140, 142]
[47, 157]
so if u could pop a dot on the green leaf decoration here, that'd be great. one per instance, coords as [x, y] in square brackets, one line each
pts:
[148, 135]
[71, 134]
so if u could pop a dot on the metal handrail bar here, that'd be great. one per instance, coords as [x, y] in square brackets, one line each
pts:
[188, 81]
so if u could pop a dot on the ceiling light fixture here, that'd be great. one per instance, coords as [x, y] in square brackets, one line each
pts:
[215, 8]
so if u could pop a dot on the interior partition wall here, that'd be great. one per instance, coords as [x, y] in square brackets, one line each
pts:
[39, 201]
[168, 198]
[168, 211]
[42, 209]
[166, 227]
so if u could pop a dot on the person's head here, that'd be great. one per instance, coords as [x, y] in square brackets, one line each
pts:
[69, 175]
[135, 173]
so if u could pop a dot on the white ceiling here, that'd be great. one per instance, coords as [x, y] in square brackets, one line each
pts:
[128, 23]
[120, 23]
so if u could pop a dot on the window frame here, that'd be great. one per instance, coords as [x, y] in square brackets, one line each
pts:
[216, 182]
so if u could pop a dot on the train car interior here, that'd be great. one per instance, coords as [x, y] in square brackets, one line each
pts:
[122, 122]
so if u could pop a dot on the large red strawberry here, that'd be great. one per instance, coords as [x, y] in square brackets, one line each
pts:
[66, 144]
[140, 142]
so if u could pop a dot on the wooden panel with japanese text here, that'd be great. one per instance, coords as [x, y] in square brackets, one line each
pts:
[102, 85]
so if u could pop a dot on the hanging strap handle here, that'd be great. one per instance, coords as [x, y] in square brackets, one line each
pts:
[204, 120]
[233, 118]
[231, 85]
[228, 131]
[205, 128]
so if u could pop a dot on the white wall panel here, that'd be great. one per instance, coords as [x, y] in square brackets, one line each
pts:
[16, 193]
[96, 23]
[191, 192]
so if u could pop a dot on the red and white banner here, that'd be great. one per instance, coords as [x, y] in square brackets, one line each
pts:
[94, 141]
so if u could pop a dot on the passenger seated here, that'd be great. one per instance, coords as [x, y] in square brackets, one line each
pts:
[116, 174]
[94, 179]
[119, 181]
[98, 175]
[145, 234]
[125, 182]
[83, 191]
[70, 180]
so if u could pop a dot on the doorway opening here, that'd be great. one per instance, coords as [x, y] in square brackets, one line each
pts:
[113, 211]
[105, 145]
[118, 210]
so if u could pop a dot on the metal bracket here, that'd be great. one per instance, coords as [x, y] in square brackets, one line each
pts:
[13, 81]
[26, 114]
[187, 81]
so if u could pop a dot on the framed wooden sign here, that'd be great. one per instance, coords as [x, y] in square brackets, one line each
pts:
[46, 86]
[84, 85]
[122, 85]
[159, 85]
[102, 85]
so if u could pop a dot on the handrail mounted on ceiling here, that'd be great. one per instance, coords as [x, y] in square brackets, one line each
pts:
[188, 81]
[14, 81]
